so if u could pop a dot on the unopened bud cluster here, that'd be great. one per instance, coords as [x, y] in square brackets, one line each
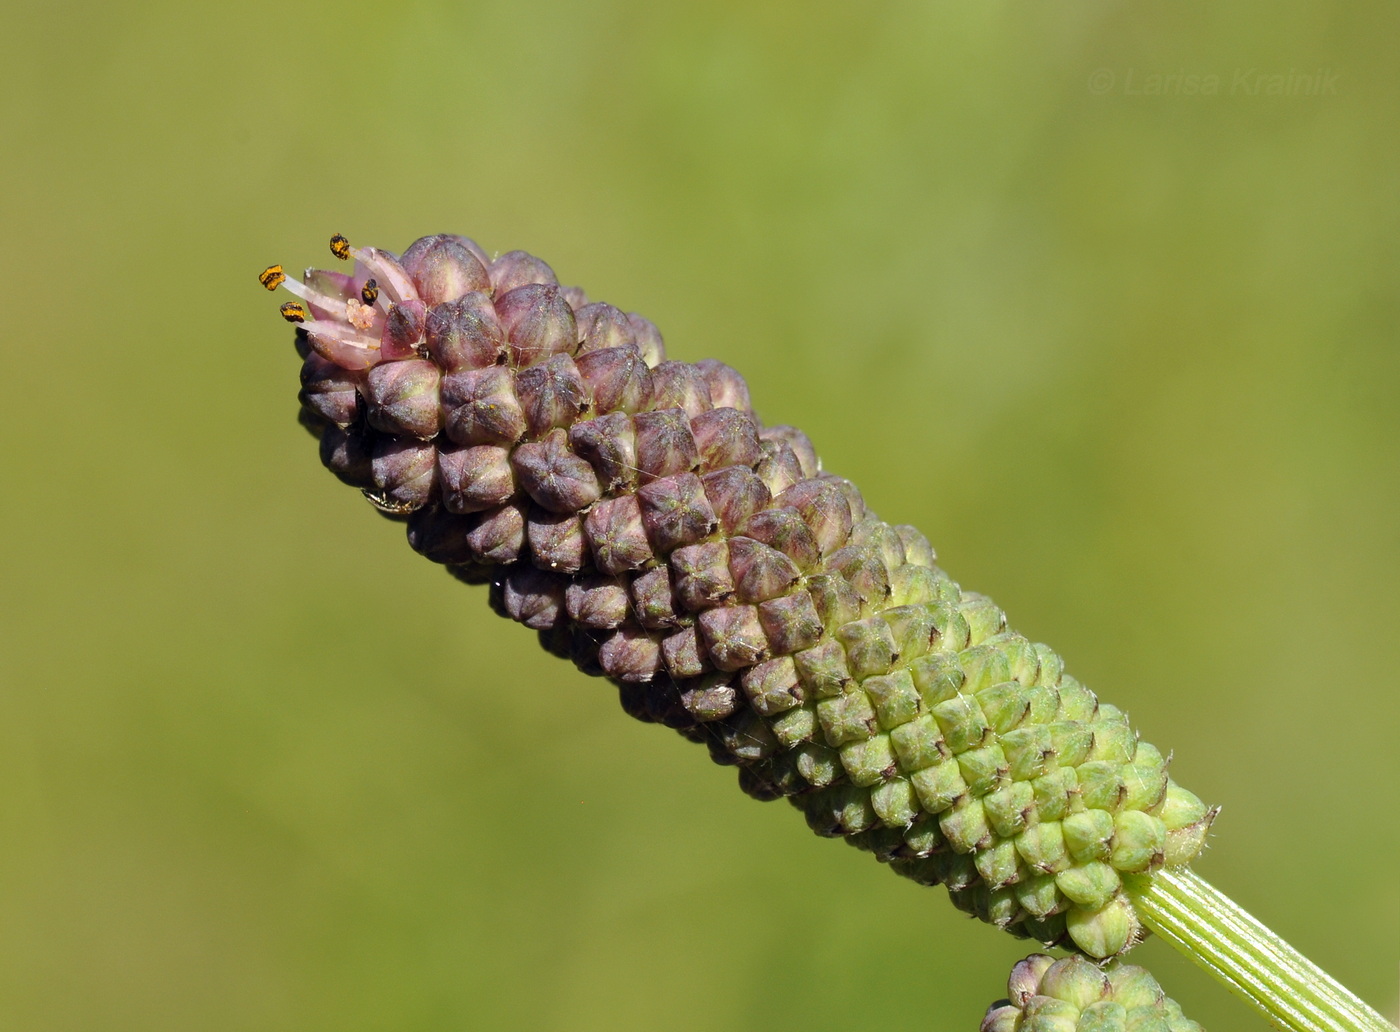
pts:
[1073, 995]
[638, 515]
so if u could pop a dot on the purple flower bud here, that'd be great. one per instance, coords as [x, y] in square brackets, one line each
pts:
[404, 473]
[726, 437]
[330, 392]
[824, 509]
[852, 493]
[653, 601]
[443, 269]
[597, 602]
[616, 535]
[683, 655]
[701, 575]
[648, 339]
[347, 454]
[791, 623]
[675, 512]
[665, 444]
[465, 334]
[733, 636]
[500, 536]
[552, 394]
[475, 478]
[800, 444]
[1025, 978]
[779, 468]
[404, 327]
[610, 447]
[554, 476]
[677, 385]
[630, 655]
[538, 323]
[556, 541]
[836, 601]
[439, 535]
[783, 528]
[534, 597]
[735, 493]
[403, 398]
[746, 737]
[772, 687]
[480, 407]
[617, 378]
[576, 297]
[864, 570]
[516, 269]
[760, 572]
[713, 697]
[727, 388]
[602, 326]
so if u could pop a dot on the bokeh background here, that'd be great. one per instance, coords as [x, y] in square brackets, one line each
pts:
[1128, 357]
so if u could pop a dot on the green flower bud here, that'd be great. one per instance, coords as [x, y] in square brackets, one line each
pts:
[1072, 993]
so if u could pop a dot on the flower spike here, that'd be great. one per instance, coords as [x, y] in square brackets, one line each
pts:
[638, 515]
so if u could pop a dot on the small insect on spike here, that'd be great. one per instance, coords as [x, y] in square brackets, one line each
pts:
[369, 293]
[293, 311]
[340, 247]
[272, 277]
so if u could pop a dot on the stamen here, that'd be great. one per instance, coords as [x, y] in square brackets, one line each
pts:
[293, 311]
[342, 333]
[340, 247]
[332, 343]
[392, 281]
[369, 293]
[312, 296]
[272, 277]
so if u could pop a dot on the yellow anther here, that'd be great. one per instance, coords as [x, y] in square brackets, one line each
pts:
[293, 311]
[272, 277]
[369, 293]
[340, 247]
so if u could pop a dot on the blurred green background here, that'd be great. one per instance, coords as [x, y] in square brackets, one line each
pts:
[1129, 358]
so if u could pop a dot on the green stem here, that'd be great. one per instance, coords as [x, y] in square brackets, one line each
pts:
[1247, 958]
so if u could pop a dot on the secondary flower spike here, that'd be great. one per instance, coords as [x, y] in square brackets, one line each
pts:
[1073, 995]
[638, 515]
